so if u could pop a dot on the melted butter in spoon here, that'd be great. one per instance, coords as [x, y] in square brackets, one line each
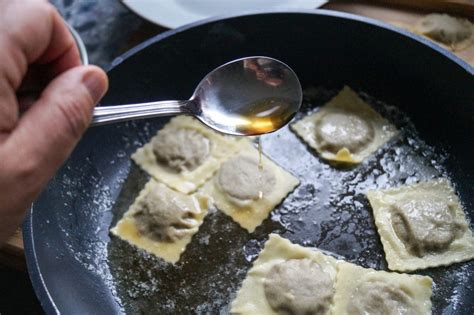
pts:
[264, 116]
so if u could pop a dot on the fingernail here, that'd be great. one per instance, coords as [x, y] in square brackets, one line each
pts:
[96, 84]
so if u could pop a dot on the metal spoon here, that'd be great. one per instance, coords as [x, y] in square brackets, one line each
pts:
[248, 96]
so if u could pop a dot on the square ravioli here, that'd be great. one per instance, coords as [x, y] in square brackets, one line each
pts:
[367, 291]
[246, 191]
[287, 278]
[345, 129]
[184, 154]
[421, 225]
[162, 221]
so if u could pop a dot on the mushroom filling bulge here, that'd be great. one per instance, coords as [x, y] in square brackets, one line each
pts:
[426, 224]
[445, 29]
[165, 215]
[181, 149]
[298, 286]
[337, 130]
[242, 178]
[379, 297]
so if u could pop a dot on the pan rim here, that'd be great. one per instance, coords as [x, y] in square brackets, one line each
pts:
[39, 286]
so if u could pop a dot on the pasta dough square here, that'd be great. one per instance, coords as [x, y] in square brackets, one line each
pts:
[170, 251]
[345, 129]
[195, 152]
[251, 298]
[421, 225]
[245, 192]
[367, 291]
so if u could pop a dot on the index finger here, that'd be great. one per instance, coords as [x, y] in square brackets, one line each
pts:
[62, 52]
[32, 31]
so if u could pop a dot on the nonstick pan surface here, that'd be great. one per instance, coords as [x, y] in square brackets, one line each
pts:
[78, 268]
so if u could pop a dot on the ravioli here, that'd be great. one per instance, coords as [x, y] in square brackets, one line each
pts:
[298, 286]
[289, 279]
[345, 129]
[422, 225]
[162, 221]
[452, 32]
[247, 192]
[307, 276]
[361, 291]
[185, 154]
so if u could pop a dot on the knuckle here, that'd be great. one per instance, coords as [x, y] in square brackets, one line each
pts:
[42, 7]
[24, 169]
[24, 174]
[9, 111]
[33, 19]
[8, 119]
[15, 64]
[27, 169]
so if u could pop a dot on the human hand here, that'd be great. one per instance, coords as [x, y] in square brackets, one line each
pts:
[46, 101]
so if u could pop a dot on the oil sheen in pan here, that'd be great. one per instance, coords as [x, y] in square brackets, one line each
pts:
[328, 210]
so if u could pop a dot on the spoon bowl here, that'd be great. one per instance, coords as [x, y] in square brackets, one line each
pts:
[244, 97]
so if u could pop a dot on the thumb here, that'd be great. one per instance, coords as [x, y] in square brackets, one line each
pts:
[49, 130]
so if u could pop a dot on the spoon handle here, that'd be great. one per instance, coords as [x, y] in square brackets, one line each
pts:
[109, 114]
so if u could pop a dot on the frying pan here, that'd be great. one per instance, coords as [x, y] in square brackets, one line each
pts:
[77, 268]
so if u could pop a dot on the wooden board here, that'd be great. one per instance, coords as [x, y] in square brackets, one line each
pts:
[15, 243]
[11, 253]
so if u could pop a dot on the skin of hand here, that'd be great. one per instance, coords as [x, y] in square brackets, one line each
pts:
[46, 103]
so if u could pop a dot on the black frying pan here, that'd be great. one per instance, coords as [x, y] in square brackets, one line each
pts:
[76, 268]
